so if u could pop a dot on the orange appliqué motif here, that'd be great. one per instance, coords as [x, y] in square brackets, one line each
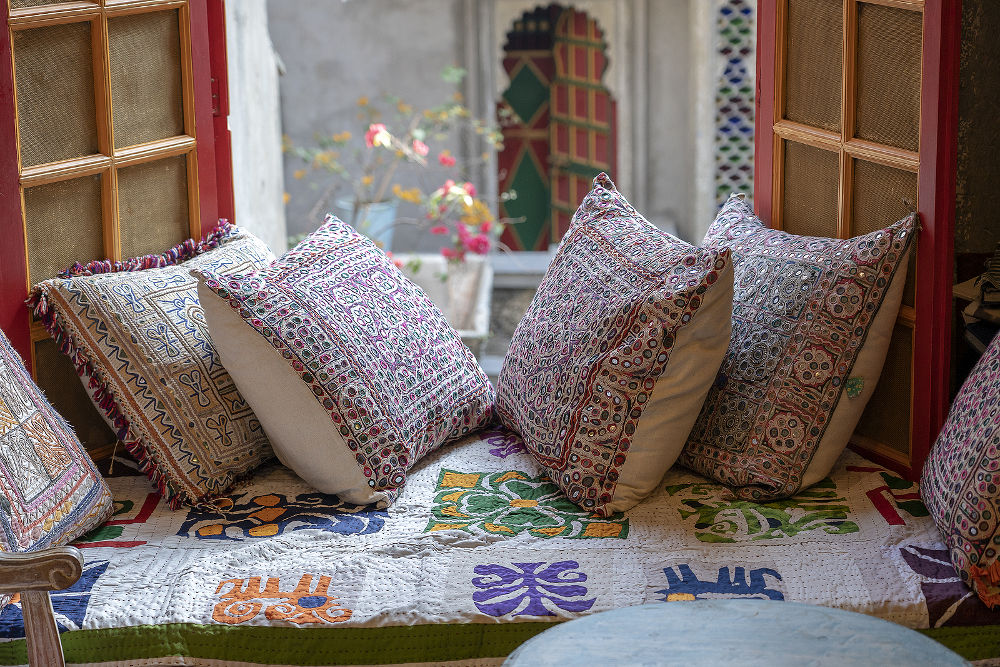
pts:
[244, 599]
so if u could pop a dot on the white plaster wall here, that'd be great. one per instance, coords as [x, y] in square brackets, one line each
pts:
[670, 138]
[255, 123]
[335, 52]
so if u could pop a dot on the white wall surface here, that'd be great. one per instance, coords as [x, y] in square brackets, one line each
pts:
[255, 123]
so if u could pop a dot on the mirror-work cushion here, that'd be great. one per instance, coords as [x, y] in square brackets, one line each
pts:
[610, 364]
[353, 371]
[50, 491]
[961, 479]
[137, 334]
[812, 320]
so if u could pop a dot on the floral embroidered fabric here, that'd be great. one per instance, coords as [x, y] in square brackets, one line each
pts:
[392, 378]
[50, 491]
[608, 367]
[136, 331]
[961, 478]
[802, 310]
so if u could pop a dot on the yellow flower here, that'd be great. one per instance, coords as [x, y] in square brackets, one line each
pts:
[404, 108]
[299, 173]
[367, 179]
[400, 154]
[342, 137]
[458, 97]
[285, 197]
[362, 101]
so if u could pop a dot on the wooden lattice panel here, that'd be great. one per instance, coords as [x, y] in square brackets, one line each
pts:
[107, 154]
[846, 158]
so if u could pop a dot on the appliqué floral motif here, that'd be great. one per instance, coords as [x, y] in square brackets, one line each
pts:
[949, 600]
[528, 590]
[68, 605]
[240, 600]
[503, 443]
[512, 502]
[272, 514]
[718, 519]
[684, 584]
[895, 494]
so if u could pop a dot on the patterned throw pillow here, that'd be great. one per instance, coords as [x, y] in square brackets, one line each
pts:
[961, 480]
[136, 332]
[50, 491]
[353, 371]
[812, 319]
[610, 364]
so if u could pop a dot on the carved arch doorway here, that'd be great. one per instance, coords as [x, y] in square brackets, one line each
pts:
[558, 122]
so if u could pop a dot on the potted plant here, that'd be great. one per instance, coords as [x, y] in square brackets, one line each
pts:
[357, 177]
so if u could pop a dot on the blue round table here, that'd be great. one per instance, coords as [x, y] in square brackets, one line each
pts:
[741, 632]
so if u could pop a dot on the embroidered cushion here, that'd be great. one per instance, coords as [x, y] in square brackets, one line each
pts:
[961, 479]
[354, 372]
[609, 366]
[810, 316]
[50, 491]
[137, 334]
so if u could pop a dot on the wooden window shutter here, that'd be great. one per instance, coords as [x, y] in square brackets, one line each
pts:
[113, 148]
[856, 122]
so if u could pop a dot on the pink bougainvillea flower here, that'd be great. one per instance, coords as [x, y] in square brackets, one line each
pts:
[448, 185]
[451, 253]
[479, 244]
[463, 233]
[470, 189]
[377, 135]
[446, 159]
[420, 148]
[439, 229]
[486, 226]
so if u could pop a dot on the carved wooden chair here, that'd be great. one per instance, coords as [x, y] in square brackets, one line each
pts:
[32, 575]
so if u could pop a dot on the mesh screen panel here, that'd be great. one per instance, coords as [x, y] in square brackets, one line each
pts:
[809, 200]
[888, 92]
[56, 116]
[878, 201]
[63, 225]
[887, 417]
[814, 62]
[20, 4]
[153, 206]
[146, 86]
[878, 196]
[58, 379]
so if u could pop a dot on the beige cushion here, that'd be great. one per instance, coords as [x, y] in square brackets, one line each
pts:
[812, 320]
[608, 368]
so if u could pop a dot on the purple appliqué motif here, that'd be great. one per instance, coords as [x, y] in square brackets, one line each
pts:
[523, 590]
[503, 443]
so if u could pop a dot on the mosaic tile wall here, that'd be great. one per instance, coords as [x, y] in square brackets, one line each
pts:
[734, 97]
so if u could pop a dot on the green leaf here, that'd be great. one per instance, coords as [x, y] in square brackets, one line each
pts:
[452, 74]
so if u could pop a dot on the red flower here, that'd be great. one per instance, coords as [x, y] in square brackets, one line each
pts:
[446, 159]
[439, 229]
[451, 253]
[420, 148]
[479, 244]
[376, 135]
[486, 226]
